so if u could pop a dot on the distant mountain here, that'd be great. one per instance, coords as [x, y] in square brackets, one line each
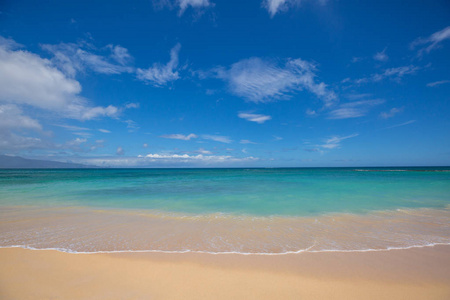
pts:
[17, 162]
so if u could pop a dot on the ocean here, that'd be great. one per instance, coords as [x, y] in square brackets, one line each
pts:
[247, 211]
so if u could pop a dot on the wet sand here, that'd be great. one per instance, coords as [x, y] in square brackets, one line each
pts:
[418, 273]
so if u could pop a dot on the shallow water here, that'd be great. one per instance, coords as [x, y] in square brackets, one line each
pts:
[264, 211]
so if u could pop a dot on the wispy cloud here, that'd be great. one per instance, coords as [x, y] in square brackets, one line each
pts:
[381, 56]
[354, 109]
[120, 54]
[401, 124]
[183, 5]
[391, 113]
[254, 117]
[73, 58]
[434, 41]
[120, 151]
[436, 83]
[77, 130]
[246, 142]
[104, 130]
[73, 128]
[335, 141]
[276, 6]
[132, 105]
[261, 80]
[178, 136]
[330, 143]
[159, 74]
[277, 138]
[131, 125]
[273, 6]
[196, 4]
[12, 118]
[203, 151]
[217, 138]
[356, 59]
[395, 74]
[311, 112]
[9, 44]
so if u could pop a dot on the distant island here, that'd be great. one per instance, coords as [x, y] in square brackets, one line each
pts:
[17, 162]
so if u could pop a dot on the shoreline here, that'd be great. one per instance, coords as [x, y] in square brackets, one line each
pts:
[85, 230]
[307, 250]
[417, 273]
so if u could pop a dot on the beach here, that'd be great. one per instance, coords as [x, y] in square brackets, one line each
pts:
[417, 273]
[224, 234]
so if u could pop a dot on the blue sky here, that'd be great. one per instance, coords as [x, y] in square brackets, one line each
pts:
[209, 83]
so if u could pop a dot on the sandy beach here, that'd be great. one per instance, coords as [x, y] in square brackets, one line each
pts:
[418, 273]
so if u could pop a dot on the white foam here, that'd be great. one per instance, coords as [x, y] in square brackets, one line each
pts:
[307, 250]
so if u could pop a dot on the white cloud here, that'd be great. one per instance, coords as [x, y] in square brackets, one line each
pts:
[131, 125]
[436, 83]
[120, 54]
[9, 44]
[159, 75]
[178, 136]
[217, 138]
[120, 151]
[335, 141]
[12, 118]
[76, 142]
[12, 141]
[395, 74]
[81, 112]
[32, 84]
[275, 6]
[260, 80]
[132, 105]
[254, 117]
[104, 130]
[381, 56]
[184, 4]
[311, 113]
[246, 142]
[354, 109]
[398, 72]
[76, 145]
[26, 78]
[203, 151]
[145, 145]
[72, 128]
[391, 113]
[73, 58]
[401, 124]
[165, 160]
[432, 42]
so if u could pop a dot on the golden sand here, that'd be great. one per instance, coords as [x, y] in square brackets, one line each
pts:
[421, 273]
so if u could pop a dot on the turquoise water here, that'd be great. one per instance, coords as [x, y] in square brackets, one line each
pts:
[247, 211]
[262, 192]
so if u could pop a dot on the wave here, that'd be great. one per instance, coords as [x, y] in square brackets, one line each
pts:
[82, 230]
[430, 245]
